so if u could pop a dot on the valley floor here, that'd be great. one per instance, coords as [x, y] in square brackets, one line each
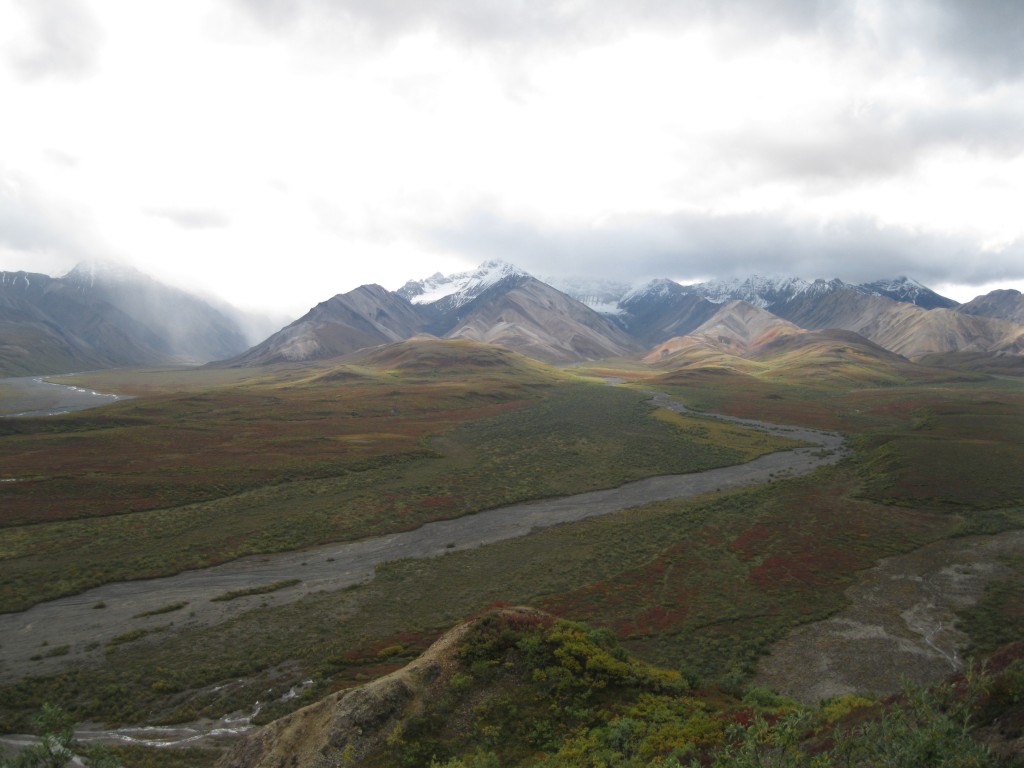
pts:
[88, 623]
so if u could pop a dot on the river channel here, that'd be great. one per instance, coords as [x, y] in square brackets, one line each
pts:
[73, 621]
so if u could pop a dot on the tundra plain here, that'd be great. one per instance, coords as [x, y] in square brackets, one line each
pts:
[205, 466]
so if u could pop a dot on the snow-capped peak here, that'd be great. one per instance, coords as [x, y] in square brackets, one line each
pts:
[898, 285]
[461, 287]
[658, 288]
[907, 289]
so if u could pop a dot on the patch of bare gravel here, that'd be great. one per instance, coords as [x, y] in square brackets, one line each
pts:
[900, 623]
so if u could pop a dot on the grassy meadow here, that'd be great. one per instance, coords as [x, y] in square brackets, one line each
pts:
[208, 465]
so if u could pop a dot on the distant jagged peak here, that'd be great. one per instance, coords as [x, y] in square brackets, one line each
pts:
[762, 290]
[461, 287]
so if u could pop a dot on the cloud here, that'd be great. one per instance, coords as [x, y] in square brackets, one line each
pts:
[691, 246]
[192, 218]
[537, 22]
[983, 38]
[37, 232]
[879, 142]
[61, 159]
[63, 40]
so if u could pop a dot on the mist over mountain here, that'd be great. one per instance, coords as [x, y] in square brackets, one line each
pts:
[100, 316]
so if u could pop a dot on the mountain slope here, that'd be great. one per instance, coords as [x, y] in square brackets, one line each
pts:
[739, 326]
[531, 317]
[746, 339]
[661, 310]
[347, 322]
[904, 328]
[1004, 304]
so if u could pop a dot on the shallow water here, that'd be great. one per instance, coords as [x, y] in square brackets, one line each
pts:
[35, 396]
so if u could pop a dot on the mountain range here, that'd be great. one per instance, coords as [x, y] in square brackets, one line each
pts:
[571, 321]
[94, 318]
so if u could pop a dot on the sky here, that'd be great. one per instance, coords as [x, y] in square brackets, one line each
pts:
[274, 153]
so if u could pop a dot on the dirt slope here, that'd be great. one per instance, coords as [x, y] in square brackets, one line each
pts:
[344, 727]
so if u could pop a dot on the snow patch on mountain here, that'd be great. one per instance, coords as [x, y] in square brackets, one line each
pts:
[907, 289]
[901, 283]
[13, 278]
[460, 287]
[761, 291]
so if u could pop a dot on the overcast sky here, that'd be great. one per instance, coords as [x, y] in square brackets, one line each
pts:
[276, 152]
